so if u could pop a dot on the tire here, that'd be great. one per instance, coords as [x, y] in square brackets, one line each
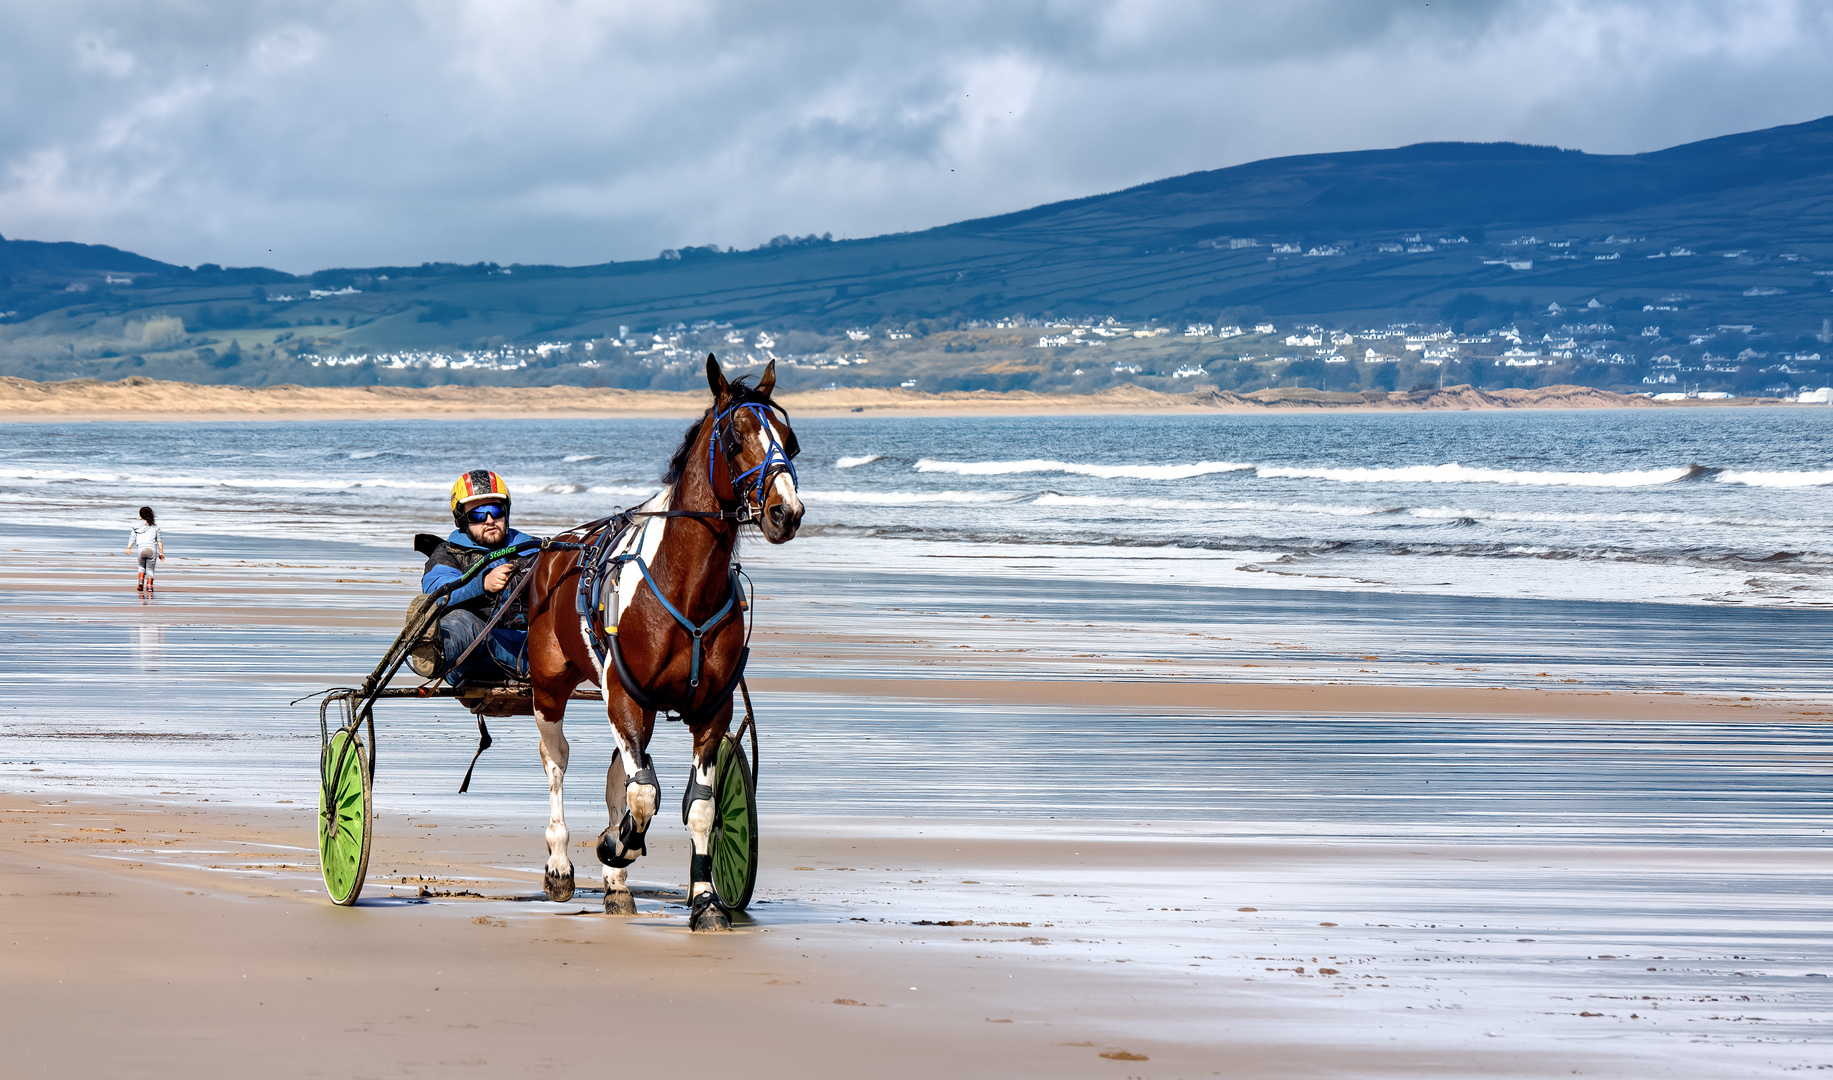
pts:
[734, 840]
[344, 816]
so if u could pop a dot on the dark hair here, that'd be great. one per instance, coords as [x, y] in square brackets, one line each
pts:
[740, 391]
[147, 513]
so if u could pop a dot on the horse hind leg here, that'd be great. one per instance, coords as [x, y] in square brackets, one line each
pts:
[557, 882]
[704, 909]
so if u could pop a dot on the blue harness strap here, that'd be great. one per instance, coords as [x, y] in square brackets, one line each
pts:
[597, 567]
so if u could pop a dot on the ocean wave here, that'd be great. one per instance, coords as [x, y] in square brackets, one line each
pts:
[854, 462]
[637, 493]
[358, 455]
[1106, 472]
[336, 485]
[1782, 479]
[1455, 473]
[1051, 498]
[551, 489]
[571, 458]
[1626, 518]
[895, 498]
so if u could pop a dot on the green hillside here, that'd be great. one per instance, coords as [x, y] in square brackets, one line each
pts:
[1706, 265]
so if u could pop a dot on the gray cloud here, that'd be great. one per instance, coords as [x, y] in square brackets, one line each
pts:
[304, 135]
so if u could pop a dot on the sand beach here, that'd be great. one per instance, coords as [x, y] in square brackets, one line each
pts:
[140, 398]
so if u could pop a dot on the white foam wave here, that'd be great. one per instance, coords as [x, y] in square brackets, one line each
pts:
[1781, 479]
[1106, 472]
[1051, 498]
[371, 482]
[358, 455]
[552, 489]
[854, 462]
[1454, 473]
[170, 480]
[897, 498]
[570, 458]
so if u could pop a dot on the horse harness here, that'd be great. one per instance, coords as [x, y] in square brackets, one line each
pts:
[620, 543]
[600, 602]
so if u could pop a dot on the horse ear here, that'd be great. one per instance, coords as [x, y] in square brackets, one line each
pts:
[715, 378]
[768, 382]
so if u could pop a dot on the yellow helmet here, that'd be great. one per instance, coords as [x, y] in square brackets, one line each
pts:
[477, 486]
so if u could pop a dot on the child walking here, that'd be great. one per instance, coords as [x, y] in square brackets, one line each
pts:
[144, 543]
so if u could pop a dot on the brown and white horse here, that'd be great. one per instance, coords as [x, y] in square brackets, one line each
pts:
[732, 467]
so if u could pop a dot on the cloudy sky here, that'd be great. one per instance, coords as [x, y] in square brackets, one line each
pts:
[358, 132]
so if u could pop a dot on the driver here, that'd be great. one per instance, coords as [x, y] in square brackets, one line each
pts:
[480, 510]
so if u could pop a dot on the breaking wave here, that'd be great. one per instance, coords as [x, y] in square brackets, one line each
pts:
[1051, 498]
[1454, 473]
[895, 498]
[1106, 472]
[854, 462]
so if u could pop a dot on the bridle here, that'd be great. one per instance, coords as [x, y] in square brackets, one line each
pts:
[750, 487]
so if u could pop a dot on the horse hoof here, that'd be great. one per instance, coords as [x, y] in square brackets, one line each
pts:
[559, 887]
[620, 903]
[706, 914]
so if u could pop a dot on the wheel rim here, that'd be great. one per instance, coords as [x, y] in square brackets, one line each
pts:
[343, 818]
[734, 838]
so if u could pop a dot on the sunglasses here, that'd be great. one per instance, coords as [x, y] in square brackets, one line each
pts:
[478, 514]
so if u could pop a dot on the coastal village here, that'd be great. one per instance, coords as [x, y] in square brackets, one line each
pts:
[1581, 344]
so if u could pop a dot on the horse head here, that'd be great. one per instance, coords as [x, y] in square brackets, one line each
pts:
[753, 435]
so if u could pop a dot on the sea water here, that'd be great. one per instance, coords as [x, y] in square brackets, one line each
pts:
[1620, 550]
[1704, 505]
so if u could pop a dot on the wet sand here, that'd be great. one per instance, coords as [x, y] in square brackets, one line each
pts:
[1034, 843]
[164, 940]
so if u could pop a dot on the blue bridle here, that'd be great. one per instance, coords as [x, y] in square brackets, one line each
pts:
[750, 485]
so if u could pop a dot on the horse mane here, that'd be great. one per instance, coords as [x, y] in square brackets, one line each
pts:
[740, 391]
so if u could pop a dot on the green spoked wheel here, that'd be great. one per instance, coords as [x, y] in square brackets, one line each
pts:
[734, 827]
[344, 815]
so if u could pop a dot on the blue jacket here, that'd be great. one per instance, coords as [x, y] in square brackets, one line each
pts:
[458, 554]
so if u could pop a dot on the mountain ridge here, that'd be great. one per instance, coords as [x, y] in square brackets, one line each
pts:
[1667, 247]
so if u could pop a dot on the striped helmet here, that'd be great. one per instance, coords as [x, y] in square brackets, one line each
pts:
[477, 486]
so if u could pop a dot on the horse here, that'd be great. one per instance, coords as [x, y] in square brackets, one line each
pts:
[675, 635]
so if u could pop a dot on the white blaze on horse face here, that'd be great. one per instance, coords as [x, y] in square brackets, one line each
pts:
[781, 483]
[554, 751]
[700, 824]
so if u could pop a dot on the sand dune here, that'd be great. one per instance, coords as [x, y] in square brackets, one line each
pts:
[152, 399]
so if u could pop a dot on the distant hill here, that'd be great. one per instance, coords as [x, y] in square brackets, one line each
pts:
[1653, 251]
[23, 261]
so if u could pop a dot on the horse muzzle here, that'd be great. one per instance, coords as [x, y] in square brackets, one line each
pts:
[782, 514]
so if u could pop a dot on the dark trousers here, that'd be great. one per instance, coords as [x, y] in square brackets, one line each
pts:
[504, 656]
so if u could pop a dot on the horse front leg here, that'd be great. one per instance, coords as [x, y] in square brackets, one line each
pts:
[631, 798]
[550, 716]
[703, 907]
